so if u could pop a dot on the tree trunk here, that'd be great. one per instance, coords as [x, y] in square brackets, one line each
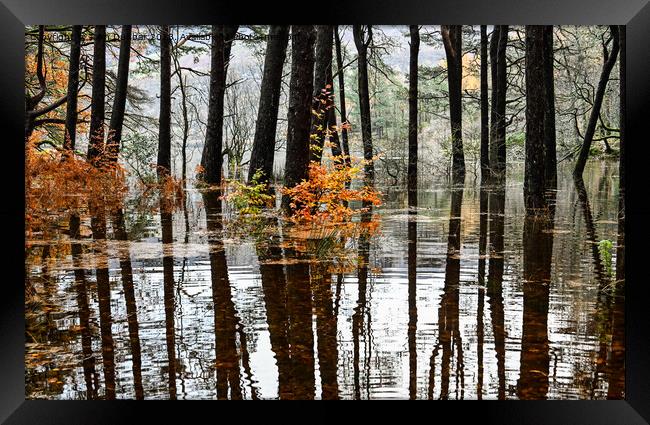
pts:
[497, 150]
[299, 116]
[332, 131]
[492, 148]
[485, 124]
[182, 83]
[413, 118]
[550, 155]
[534, 183]
[344, 119]
[73, 87]
[362, 39]
[212, 158]
[453, 41]
[263, 151]
[164, 131]
[96, 136]
[502, 78]
[322, 98]
[598, 101]
[119, 102]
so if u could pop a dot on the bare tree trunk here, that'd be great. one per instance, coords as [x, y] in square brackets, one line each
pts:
[598, 101]
[344, 119]
[322, 97]
[96, 136]
[502, 77]
[186, 123]
[73, 87]
[550, 155]
[497, 150]
[534, 180]
[299, 116]
[362, 39]
[413, 117]
[452, 38]
[332, 132]
[263, 151]
[492, 149]
[485, 124]
[164, 131]
[119, 102]
[212, 157]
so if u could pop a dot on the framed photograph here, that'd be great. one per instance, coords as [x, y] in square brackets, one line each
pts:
[368, 201]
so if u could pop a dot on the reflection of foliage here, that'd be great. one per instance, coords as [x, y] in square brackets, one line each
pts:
[331, 244]
[605, 249]
[324, 198]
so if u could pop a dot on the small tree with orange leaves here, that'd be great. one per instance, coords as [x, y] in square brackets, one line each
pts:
[324, 196]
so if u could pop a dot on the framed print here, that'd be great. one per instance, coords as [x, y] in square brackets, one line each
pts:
[374, 201]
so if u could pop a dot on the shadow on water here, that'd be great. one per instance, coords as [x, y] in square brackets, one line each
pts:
[91, 377]
[98, 224]
[449, 338]
[412, 303]
[537, 258]
[126, 270]
[496, 221]
[460, 295]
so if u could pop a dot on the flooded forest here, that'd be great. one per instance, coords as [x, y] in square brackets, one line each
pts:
[324, 212]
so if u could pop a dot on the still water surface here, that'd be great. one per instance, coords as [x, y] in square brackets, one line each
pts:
[461, 298]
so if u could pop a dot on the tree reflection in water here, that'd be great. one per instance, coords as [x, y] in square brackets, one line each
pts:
[471, 299]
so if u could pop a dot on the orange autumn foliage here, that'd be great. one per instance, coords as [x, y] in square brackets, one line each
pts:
[324, 197]
[58, 183]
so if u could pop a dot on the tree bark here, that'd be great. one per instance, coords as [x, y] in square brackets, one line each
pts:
[534, 180]
[263, 151]
[550, 155]
[299, 116]
[322, 97]
[332, 131]
[73, 87]
[497, 150]
[362, 39]
[452, 39]
[344, 120]
[96, 136]
[182, 82]
[485, 123]
[492, 148]
[212, 157]
[413, 117]
[598, 101]
[119, 102]
[502, 77]
[164, 120]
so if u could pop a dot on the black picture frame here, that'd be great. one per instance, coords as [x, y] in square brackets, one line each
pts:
[15, 14]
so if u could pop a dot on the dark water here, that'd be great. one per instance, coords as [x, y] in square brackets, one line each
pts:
[461, 299]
